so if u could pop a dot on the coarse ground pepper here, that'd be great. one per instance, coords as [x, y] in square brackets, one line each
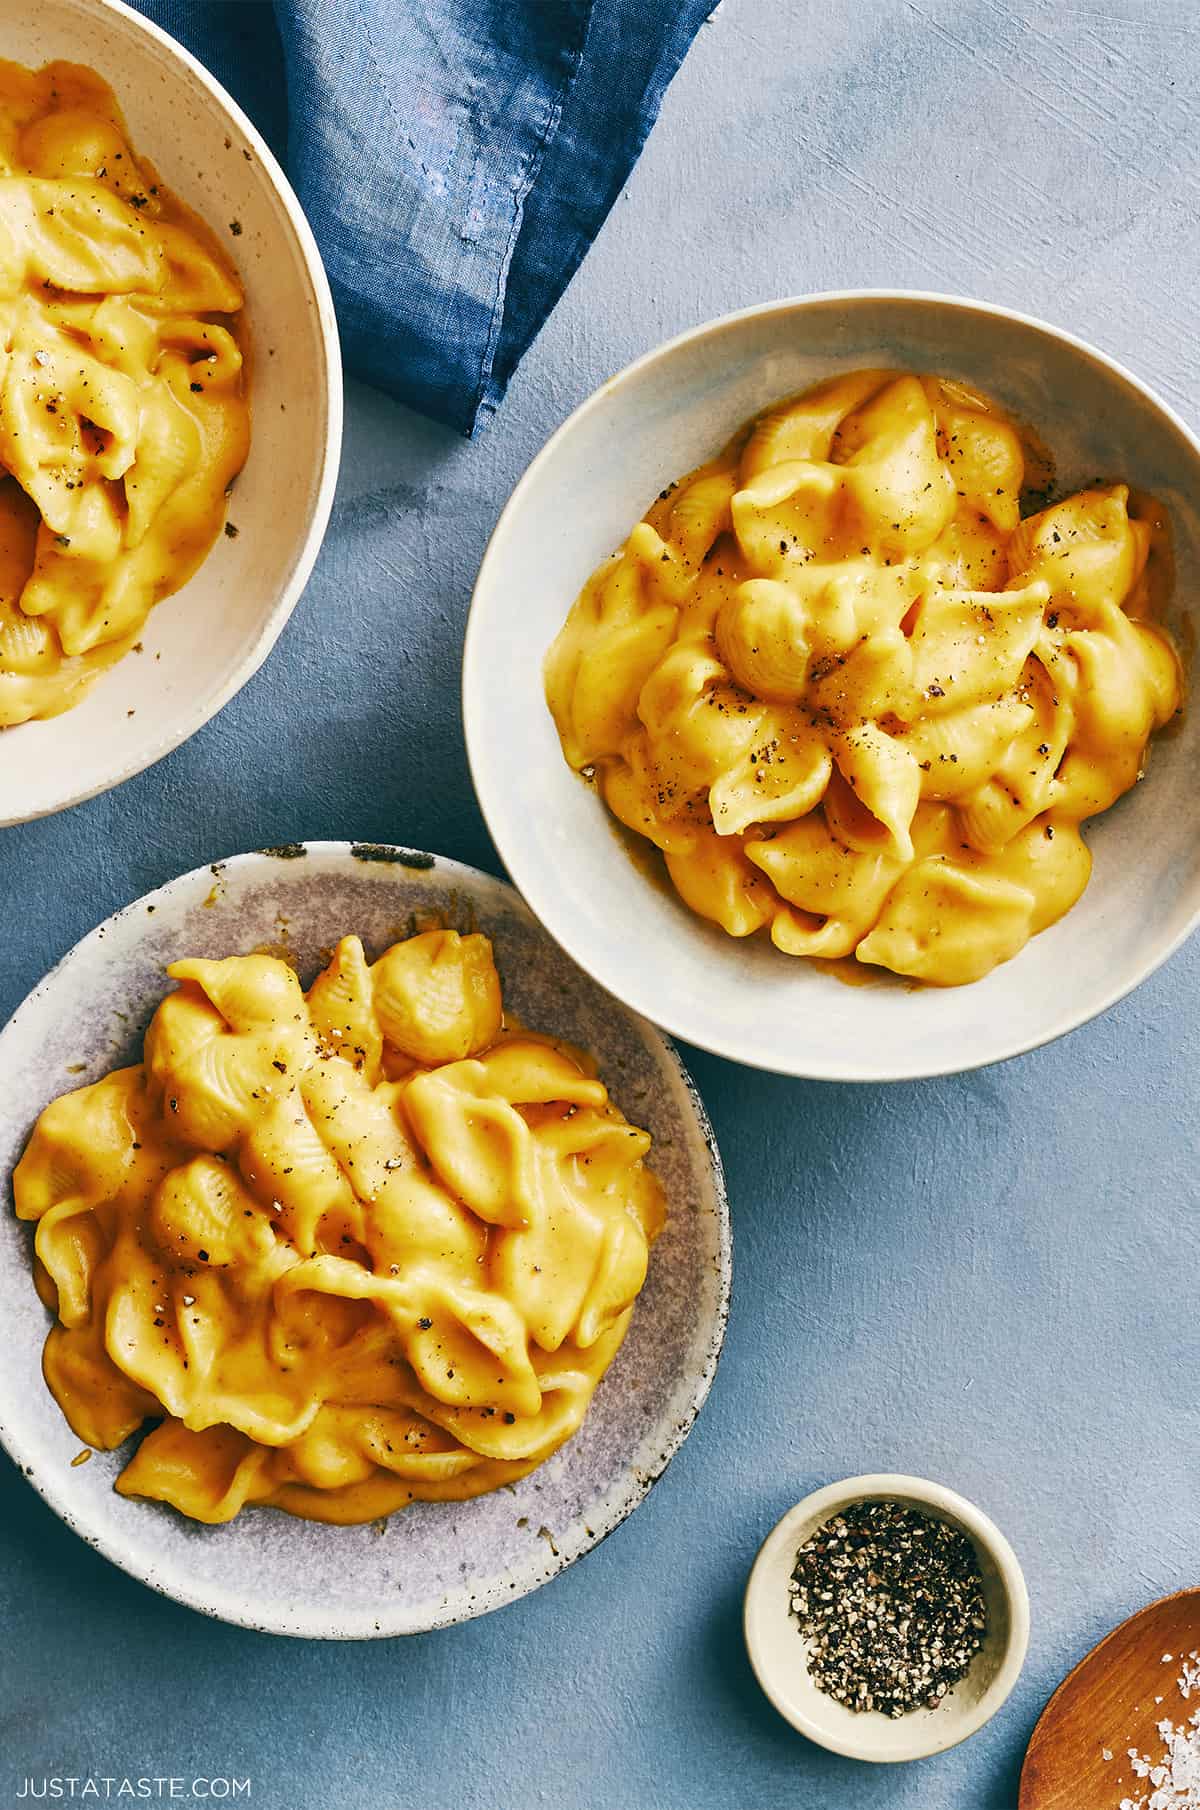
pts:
[890, 1602]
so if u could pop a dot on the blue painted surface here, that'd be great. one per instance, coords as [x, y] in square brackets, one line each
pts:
[991, 1280]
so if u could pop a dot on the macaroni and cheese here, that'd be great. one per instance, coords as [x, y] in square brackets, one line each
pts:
[854, 696]
[347, 1248]
[123, 417]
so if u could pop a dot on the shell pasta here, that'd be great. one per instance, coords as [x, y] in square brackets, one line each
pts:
[857, 698]
[123, 416]
[348, 1248]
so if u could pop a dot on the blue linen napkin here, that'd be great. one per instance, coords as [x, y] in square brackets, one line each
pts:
[455, 158]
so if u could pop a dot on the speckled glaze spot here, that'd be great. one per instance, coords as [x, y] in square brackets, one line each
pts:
[390, 855]
[435, 1563]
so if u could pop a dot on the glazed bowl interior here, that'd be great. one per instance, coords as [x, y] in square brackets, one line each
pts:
[202, 644]
[575, 505]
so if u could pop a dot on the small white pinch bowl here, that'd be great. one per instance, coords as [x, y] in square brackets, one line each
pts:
[437, 1562]
[201, 645]
[578, 500]
[776, 1646]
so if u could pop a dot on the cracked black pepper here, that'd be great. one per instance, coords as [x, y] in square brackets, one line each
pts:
[890, 1603]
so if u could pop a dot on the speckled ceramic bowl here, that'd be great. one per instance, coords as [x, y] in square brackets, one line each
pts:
[435, 1563]
[200, 646]
[594, 478]
[776, 1647]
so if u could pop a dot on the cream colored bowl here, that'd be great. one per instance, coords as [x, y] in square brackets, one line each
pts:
[776, 1647]
[201, 645]
[577, 502]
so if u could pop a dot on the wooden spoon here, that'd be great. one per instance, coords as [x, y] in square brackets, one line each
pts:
[1114, 1700]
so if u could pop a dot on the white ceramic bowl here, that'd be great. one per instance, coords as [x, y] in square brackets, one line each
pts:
[437, 1562]
[776, 1646]
[201, 645]
[577, 502]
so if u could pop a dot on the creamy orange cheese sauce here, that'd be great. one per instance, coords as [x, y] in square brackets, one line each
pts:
[856, 695]
[123, 414]
[348, 1248]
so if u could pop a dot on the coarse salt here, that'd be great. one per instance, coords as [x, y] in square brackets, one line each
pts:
[1174, 1779]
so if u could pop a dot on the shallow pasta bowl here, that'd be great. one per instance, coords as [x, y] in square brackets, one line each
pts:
[437, 1562]
[201, 645]
[657, 420]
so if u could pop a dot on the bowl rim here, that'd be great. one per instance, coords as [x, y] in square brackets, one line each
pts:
[312, 1623]
[491, 792]
[329, 389]
[949, 1505]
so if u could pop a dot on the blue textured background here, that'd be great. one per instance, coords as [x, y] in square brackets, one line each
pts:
[991, 1280]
